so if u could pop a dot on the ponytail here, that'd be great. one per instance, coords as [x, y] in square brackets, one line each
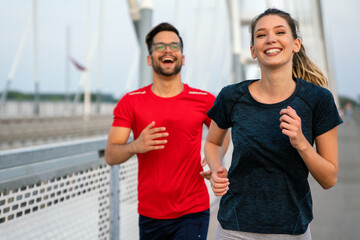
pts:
[304, 68]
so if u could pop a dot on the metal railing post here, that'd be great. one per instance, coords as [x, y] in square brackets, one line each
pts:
[115, 202]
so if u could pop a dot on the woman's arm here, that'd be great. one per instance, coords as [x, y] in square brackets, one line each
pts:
[214, 155]
[322, 162]
[225, 146]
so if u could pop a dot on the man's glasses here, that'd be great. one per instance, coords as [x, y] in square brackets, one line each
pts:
[160, 47]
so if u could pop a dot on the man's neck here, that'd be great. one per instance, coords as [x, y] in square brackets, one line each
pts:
[167, 86]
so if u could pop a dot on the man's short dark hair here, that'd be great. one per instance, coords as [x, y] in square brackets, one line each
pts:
[160, 28]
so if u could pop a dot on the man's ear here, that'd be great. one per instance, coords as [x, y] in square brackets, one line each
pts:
[149, 60]
[183, 60]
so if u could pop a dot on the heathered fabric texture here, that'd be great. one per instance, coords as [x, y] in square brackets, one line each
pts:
[269, 190]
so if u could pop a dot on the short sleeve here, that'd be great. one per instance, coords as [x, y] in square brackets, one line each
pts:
[123, 113]
[326, 115]
[210, 103]
[221, 110]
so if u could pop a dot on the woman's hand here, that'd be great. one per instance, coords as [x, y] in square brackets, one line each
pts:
[290, 124]
[219, 181]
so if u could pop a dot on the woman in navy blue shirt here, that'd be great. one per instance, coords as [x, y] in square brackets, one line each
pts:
[274, 121]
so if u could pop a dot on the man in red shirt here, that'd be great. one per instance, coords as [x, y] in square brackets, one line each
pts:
[166, 118]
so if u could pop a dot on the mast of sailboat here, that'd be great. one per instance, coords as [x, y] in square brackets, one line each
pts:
[15, 64]
[67, 64]
[36, 60]
[86, 73]
[100, 54]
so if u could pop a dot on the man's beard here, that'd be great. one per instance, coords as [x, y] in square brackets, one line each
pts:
[159, 70]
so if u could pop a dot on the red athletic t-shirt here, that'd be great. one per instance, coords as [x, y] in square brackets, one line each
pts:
[169, 181]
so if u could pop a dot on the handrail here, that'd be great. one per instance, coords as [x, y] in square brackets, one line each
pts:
[30, 165]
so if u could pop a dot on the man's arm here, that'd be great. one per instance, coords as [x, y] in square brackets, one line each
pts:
[118, 150]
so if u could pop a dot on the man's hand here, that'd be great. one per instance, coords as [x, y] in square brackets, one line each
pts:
[147, 140]
[205, 174]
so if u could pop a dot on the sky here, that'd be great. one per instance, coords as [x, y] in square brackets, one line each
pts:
[203, 24]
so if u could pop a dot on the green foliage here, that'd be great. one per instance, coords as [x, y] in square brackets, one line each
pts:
[55, 97]
[343, 100]
[19, 96]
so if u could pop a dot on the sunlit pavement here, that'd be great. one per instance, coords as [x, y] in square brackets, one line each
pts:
[337, 210]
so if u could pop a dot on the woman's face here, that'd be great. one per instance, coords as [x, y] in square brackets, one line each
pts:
[274, 44]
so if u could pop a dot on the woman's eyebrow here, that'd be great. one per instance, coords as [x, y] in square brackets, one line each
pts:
[263, 29]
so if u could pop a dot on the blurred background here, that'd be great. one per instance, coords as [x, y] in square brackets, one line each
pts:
[65, 64]
[46, 45]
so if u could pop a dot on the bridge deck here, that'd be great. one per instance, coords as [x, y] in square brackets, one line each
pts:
[22, 132]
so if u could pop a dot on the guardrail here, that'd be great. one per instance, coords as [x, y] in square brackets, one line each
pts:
[67, 191]
[55, 190]
[21, 109]
[22, 132]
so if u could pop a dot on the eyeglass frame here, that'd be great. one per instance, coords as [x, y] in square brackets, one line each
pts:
[167, 45]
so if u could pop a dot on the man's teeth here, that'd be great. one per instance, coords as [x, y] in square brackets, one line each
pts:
[272, 51]
[167, 59]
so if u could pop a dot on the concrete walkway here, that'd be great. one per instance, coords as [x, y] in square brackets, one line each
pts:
[337, 210]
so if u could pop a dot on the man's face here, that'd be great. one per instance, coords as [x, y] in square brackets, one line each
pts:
[168, 61]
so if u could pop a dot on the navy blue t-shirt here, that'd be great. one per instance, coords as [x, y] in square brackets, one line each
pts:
[269, 190]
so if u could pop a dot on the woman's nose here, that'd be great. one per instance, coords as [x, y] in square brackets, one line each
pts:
[271, 38]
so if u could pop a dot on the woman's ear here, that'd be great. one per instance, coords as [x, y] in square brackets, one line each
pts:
[253, 55]
[297, 46]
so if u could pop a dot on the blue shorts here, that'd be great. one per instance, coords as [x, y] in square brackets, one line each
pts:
[188, 227]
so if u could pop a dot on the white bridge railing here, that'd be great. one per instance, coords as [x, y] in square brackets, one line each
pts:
[67, 191]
